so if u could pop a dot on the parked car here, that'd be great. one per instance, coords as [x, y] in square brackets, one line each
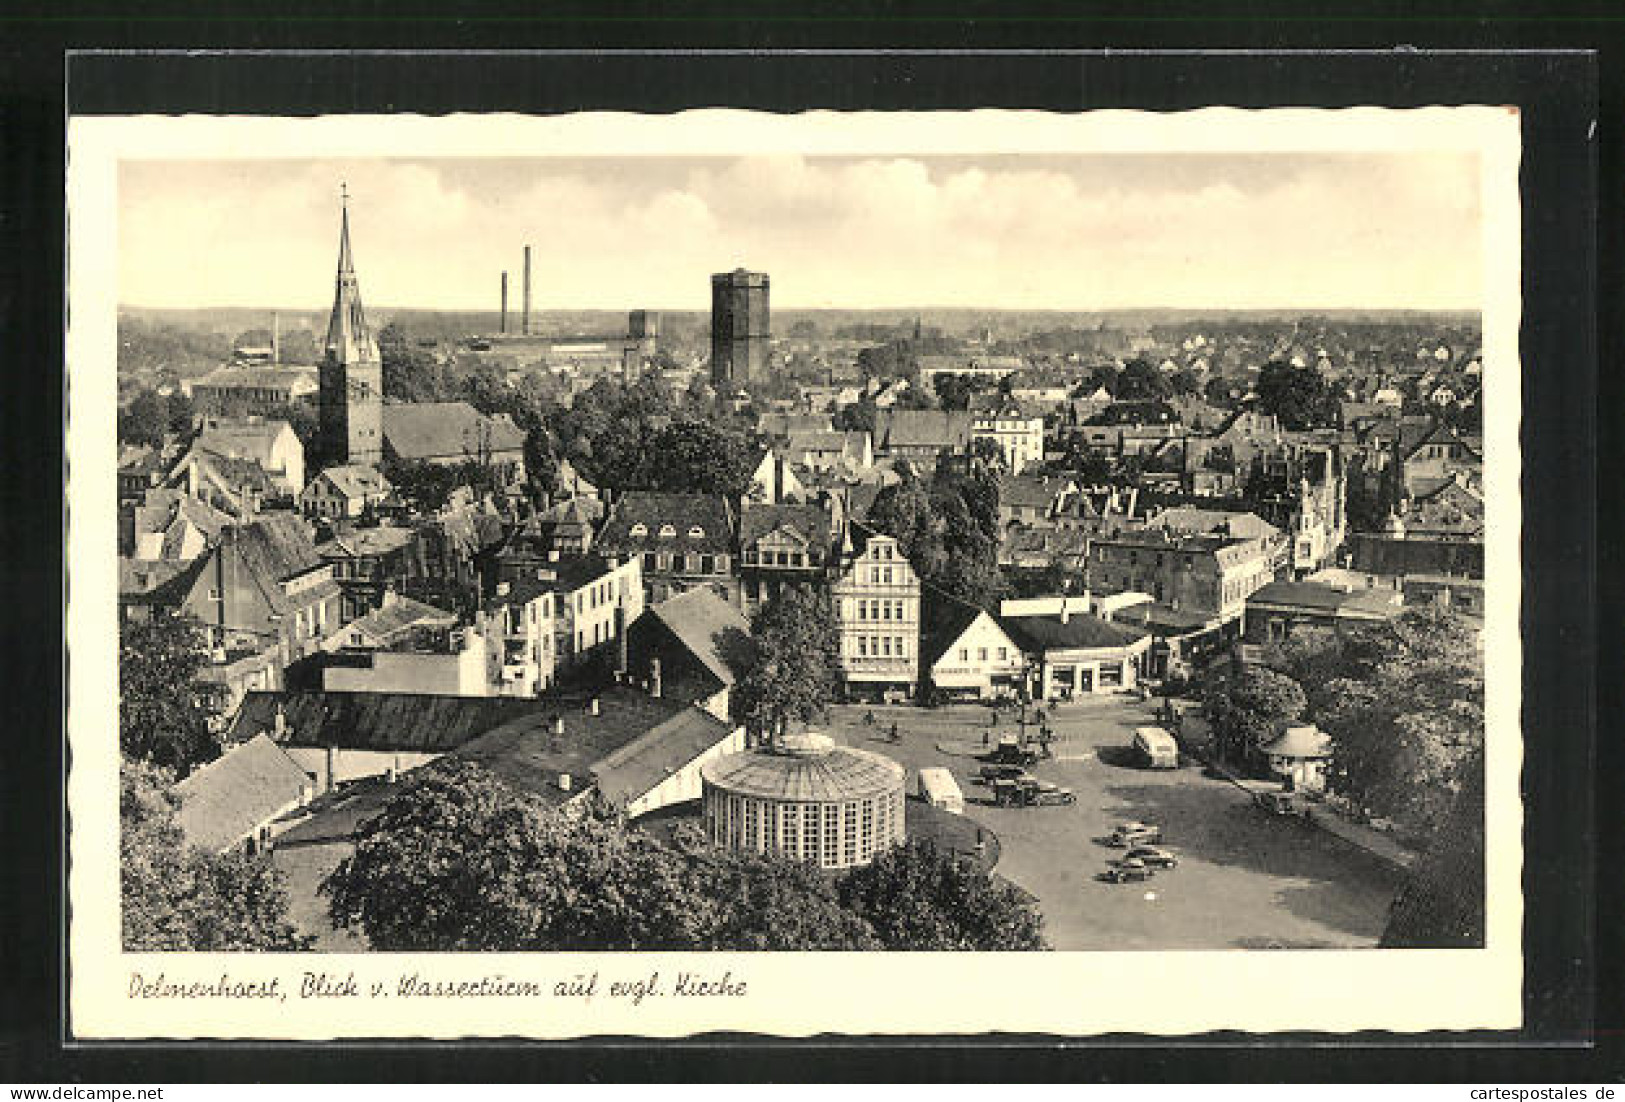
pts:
[1155, 856]
[1134, 833]
[990, 773]
[1279, 803]
[1030, 792]
[1127, 870]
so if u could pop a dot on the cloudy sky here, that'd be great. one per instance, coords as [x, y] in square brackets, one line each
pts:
[1374, 230]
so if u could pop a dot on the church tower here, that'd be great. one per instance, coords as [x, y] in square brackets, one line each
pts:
[352, 374]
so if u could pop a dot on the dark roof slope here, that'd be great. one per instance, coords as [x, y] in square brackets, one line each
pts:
[701, 620]
[683, 512]
[1080, 631]
[377, 721]
[756, 521]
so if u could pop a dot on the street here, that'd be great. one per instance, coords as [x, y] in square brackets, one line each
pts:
[1245, 880]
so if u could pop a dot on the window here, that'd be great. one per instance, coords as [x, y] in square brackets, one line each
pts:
[863, 646]
[981, 654]
[707, 564]
[667, 532]
[964, 654]
[885, 645]
[863, 610]
[696, 533]
[1003, 653]
[649, 560]
[639, 530]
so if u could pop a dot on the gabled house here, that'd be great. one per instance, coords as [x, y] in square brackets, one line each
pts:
[782, 545]
[235, 486]
[969, 655]
[243, 799]
[1076, 653]
[451, 433]
[1015, 429]
[263, 586]
[344, 492]
[366, 564]
[170, 526]
[684, 649]
[270, 443]
[561, 531]
[922, 434]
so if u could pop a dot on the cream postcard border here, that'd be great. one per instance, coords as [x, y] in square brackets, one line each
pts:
[796, 995]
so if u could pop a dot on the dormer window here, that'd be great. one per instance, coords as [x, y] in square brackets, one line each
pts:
[696, 533]
[640, 529]
[667, 532]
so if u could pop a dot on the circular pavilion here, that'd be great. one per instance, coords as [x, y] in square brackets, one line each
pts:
[805, 798]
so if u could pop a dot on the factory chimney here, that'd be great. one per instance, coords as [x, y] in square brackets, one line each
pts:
[276, 338]
[524, 325]
[503, 324]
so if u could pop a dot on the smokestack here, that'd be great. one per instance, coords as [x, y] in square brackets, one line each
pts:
[276, 338]
[525, 322]
[503, 325]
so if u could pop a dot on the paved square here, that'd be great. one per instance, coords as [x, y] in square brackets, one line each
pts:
[1245, 879]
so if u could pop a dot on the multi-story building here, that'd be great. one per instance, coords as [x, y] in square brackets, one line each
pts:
[344, 492]
[877, 604]
[1017, 431]
[1209, 575]
[519, 625]
[782, 545]
[595, 599]
[367, 563]
[740, 330]
[683, 541]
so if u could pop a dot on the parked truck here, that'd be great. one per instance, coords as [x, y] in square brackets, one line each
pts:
[939, 789]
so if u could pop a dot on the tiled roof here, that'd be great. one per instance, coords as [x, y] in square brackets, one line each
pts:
[949, 621]
[1080, 631]
[259, 378]
[701, 621]
[275, 548]
[626, 773]
[377, 721]
[398, 615]
[788, 424]
[756, 521]
[243, 437]
[529, 753]
[919, 428]
[437, 430]
[1312, 596]
[357, 543]
[682, 512]
[1187, 519]
[356, 479]
[228, 799]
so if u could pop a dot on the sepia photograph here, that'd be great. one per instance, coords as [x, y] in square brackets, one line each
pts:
[998, 533]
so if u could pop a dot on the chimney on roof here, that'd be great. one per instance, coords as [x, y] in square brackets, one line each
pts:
[279, 725]
[594, 707]
[558, 725]
[332, 767]
[504, 588]
[564, 782]
[654, 678]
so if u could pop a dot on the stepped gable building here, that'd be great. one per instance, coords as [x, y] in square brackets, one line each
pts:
[351, 372]
[740, 332]
[877, 604]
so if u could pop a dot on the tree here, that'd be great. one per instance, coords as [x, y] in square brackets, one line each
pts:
[459, 860]
[175, 896]
[145, 420]
[1403, 703]
[918, 897]
[1298, 396]
[180, 411]
[1142, 381]
[411, 374]
[701, 457]
[163, 710]
[954, 391]
[857, 417]
[792, 666]
[1249, 710]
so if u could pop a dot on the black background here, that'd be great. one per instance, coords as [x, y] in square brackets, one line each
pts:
[1573, 1018]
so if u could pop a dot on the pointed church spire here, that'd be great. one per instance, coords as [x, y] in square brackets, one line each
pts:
[349, 339]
